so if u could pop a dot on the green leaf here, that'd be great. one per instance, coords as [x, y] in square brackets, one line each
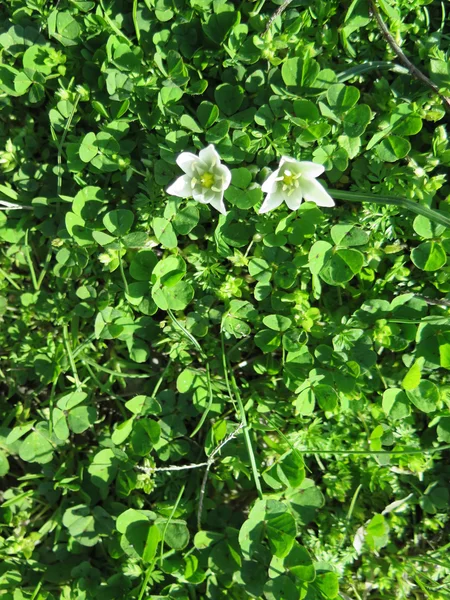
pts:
[341, 266]
[88, 148]
[443, 430]
[176, 533]
[412, 378]
[280, 528]
[207, 114]
[425, 396]
[356, 120]
[328, 584]
[81, 418]
[299, 562]
[300, 72]
[219, 25]
[440, 73]
[142, 265]
[395, 404]
[170, 270]
[144, 436]
[229, 97]
[277, 322]
[267, 340]
[349, 235]
[429, 256]
[281, 587]
[175, 297]
[318, 255]
[342, 97]
[81, 524]
[426, 228]
[36, 447]
[63, 27]
[118, 222]
[164, 232]
[186, 219]
[393, 148]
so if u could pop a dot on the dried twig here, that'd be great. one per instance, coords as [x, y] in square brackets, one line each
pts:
[208, 464]
[4, 205]
[229, 437]
[415, 72]
[280, 10]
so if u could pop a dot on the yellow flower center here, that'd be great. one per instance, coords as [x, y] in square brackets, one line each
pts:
[207, 180]
[288, 179]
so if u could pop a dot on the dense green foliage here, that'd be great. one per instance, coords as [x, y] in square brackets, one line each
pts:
[139, 331]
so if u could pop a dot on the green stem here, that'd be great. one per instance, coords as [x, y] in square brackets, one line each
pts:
[70, 355]
[192, 339]
[8, 278]
[248, 440]
[415, 207]
[189, 335]
[30, 262]
[175, 506]
[116, 373]
[161, 379]
[135, 21]
[148, 574]
[375, 452]
[45, 267]
[63, 139]
[122, 272]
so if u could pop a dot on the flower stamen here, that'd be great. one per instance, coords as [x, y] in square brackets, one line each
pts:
[207, 180]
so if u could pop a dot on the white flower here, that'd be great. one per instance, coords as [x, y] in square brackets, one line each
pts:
[293, 182]
[205, 179]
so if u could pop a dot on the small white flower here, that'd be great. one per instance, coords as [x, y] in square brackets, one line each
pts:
[292, 182]
[205, 179]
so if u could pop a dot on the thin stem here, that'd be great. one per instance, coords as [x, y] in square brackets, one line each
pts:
[148, 574]
[225, 370]
[248, 440]
[415, 207]
[135, 21]
[122, 271]
[45, 267]
[415, 72]
[63, 139]
[8, 278]
[175, 506]
[116, 373]
[115, 29]
[374, 452]
[280, 10]
[161, 379]
[26, 252]
[350, 513]
[187, 333]
[70, 355]
[210, 401]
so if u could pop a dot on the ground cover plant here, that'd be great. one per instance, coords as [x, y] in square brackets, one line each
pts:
[224, 296]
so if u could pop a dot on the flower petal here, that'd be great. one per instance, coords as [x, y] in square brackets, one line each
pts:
[199, 195]
[218, 204]
[181, 187]
[294, 200]
[285, 159]
[225, 173]
[209, 156]
[185, 160]
[309, 169]
[271, 201]
[315, 192]
[270, 183]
